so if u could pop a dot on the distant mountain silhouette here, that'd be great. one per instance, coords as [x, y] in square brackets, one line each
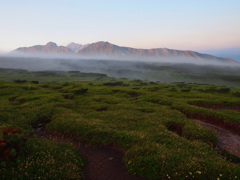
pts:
[75, 47]
[103, 49]
[49, 48]
[233, 53]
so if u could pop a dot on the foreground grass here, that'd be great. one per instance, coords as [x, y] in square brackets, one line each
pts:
[144, 119]
[45, 160]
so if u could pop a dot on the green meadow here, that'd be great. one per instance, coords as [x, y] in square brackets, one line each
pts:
[150, 121]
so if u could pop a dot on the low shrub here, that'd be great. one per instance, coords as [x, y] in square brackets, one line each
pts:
[80, 91]
[224, 90]
[35, 82]
[11, 140]
[20, 81]
[117, 83]
[185, 90]
[68, 96]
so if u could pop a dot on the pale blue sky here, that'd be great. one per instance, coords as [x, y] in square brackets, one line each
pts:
[175, 24]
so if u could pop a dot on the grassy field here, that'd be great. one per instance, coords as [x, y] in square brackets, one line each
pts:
[147, 120]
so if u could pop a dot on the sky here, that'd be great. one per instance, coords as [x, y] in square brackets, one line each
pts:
[185, 25]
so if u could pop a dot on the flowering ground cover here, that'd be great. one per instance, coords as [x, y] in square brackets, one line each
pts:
[148, 121]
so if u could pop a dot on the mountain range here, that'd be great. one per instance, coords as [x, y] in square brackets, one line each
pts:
[103, 49]
[49, 48]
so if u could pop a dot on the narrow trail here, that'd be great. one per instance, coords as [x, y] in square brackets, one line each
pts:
[227, 139]
[235, 108]
[103, 162]
[228, 136]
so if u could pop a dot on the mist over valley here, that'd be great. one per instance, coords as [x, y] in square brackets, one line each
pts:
[167, 71]
[162, 65]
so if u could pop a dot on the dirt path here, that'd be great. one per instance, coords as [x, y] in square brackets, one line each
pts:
[227, 139]
[235, 108]
[103, 162]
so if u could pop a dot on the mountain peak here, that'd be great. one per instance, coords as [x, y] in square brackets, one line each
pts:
[99, 48]
[49, 48]
[103, 44]
[51, 45]
[74, 46]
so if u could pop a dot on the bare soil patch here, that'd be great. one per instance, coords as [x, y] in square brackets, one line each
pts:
[101, 109]
[227, 140]
[133, 95]
[103, 162]
[214, 107]
[176, 129]
[232, 126]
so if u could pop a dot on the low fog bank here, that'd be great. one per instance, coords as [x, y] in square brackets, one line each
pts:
[128, 58]
[152, 71]
[55, 63]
